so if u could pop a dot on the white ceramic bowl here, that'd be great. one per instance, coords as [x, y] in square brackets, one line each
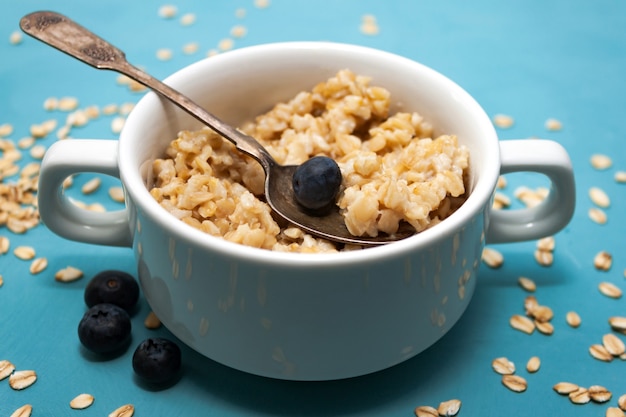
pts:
[295, 316]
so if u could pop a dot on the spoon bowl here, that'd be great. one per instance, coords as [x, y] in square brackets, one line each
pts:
[67, 36]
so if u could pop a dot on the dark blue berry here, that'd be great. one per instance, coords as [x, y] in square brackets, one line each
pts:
[316, 183]
[157, 360]
[113, 287]
[104, 329]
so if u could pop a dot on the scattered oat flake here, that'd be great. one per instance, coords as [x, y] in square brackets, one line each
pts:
[599, 197]
[1, 281]
[553, 124]
[600, 161]
[91, 186]
[614, 412]
[533, 364]
[449, 408]
[24, 252]
[188, 19]
[124, 411]
[38, 151]
[597, 215]
[522, 323]
[6, 129]
[6, 369]
[599, 352]
[492, 258]
[618, 323]
[68, 274]
[544, 257]
[503, 366]
[5, 244]
[369, 25]
[599, 394]
[68, 103]
[225, 44]
[168, 11]
[580, 396]
[240, 13]
[621, 402]
[547, 243]
[24, 411]
[261, 4]
[426, 411]
[573, 319]
[190, 48]
[620, 176]
[116, 194]
[610, 290]
[15, 38]
[603, 261]
[564, 388]
[238, 31]
[38, 265]
[81, 401]
[20, 380]
[117, 124]
[515, 383]
[544, 327]
[152, 321]
[527, 284]
[503, 121]
[613, 344]
[164, 54]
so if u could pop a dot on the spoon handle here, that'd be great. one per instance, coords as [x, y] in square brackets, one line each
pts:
[67, 36]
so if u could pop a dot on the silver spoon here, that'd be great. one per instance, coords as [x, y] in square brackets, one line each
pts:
[67, 36]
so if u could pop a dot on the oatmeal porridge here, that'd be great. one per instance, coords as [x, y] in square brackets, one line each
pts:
[393, 170]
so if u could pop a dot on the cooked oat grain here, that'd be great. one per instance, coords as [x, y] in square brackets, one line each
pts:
[515, 383]
[81, 401]
[20, 380]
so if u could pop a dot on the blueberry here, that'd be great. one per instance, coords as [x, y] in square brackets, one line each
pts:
[104, 328]
[316, 183]
[113, 287]
[157, 360]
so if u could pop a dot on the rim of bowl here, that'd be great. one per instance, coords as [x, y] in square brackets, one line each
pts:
[476, 201]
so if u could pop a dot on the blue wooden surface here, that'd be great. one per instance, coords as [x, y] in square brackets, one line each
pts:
[532, 59]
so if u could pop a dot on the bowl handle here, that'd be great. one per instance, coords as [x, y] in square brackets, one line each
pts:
[551, 215]
[56, 209]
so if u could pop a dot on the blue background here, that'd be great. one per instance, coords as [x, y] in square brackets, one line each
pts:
[531, 59]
